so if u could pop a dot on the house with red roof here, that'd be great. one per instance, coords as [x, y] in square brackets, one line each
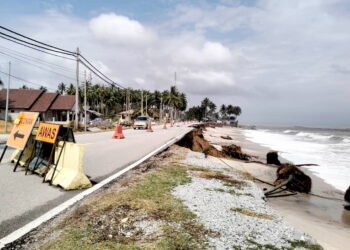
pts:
[52, 106]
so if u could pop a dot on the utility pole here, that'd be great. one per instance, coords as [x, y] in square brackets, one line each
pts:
[161, 108]
[146, 106]
[141, 102]
[7, 98]
[76, 124]
[175, 78]
[85, 99]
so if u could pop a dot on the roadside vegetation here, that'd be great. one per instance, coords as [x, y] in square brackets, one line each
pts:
[109, 100]
[143, 215]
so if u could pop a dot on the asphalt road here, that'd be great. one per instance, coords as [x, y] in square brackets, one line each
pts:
[24, 198]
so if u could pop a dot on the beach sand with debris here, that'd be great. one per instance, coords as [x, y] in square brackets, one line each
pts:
[321, 215]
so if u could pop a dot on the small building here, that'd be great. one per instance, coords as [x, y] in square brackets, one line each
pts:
[20, 100]
[63, 108]
[43, 104]
[52, 106]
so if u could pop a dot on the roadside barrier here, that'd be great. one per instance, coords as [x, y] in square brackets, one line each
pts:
[149, 127]
[118, 132]
[68, 172]
[26, 155]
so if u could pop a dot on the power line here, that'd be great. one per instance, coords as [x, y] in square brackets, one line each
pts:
[89, 68]
[101, 72]
[49, 47]
[33, 44]
[43, 51]
[37, 60]
[23, 80]
[40, 67]
[31, 39]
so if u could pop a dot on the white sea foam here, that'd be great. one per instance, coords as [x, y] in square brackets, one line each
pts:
[332, 157]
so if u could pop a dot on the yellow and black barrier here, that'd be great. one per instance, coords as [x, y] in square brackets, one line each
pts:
[50, 151]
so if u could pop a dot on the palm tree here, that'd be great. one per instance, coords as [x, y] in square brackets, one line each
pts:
[61, 88]
[172, 99]
[234, 110]
[212, 108]
[223, 110]
[43, 88]
[71, 89]
[205, 104]
[237, 110]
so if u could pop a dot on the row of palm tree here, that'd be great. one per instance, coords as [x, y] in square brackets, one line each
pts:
[229, 110]
[207, 110]
[109, 100]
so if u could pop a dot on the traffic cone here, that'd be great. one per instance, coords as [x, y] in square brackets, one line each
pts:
[164, 127]
[149, 127]
[118, 132]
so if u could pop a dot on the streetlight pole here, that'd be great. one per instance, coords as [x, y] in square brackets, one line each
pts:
[7, 97]
[76, 124]
[85, 101]
[146, 106]
[141, 102]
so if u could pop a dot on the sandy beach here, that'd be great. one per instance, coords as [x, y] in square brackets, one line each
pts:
[319, 214]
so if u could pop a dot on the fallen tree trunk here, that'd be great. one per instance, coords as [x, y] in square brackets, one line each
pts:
[347, 195]
[235, 151]
[299, 182]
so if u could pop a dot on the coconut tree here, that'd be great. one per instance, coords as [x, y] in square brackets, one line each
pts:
[61, 89]
[205, 104]
[173, 100]
[71, 89]
[223, 110]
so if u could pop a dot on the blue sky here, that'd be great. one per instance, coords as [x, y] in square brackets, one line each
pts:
[280, 57]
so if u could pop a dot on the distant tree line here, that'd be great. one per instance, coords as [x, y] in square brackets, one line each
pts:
[109, 100]
[207, 110]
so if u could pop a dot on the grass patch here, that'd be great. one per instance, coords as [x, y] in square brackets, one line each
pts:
[219, 176]
[252, 213]
[198, 169]
[236, 186]
[231, 191]
[304, 244]
[258, 246]
[107, 221]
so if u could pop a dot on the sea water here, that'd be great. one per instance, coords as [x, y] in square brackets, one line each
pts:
[328, 148]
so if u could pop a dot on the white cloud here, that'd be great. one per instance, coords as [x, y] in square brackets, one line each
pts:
[289, 58]
[210, 53]
[120, 30]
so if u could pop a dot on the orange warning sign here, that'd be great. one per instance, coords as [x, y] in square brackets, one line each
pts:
[22, 129]
[47, 132]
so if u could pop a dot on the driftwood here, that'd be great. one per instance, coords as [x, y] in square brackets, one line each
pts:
[226, 137]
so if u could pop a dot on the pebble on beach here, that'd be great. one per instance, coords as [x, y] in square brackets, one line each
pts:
[223, 211]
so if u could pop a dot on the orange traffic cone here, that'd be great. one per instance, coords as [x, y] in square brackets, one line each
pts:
[118, 132]
[164, 127]
[149, 127]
